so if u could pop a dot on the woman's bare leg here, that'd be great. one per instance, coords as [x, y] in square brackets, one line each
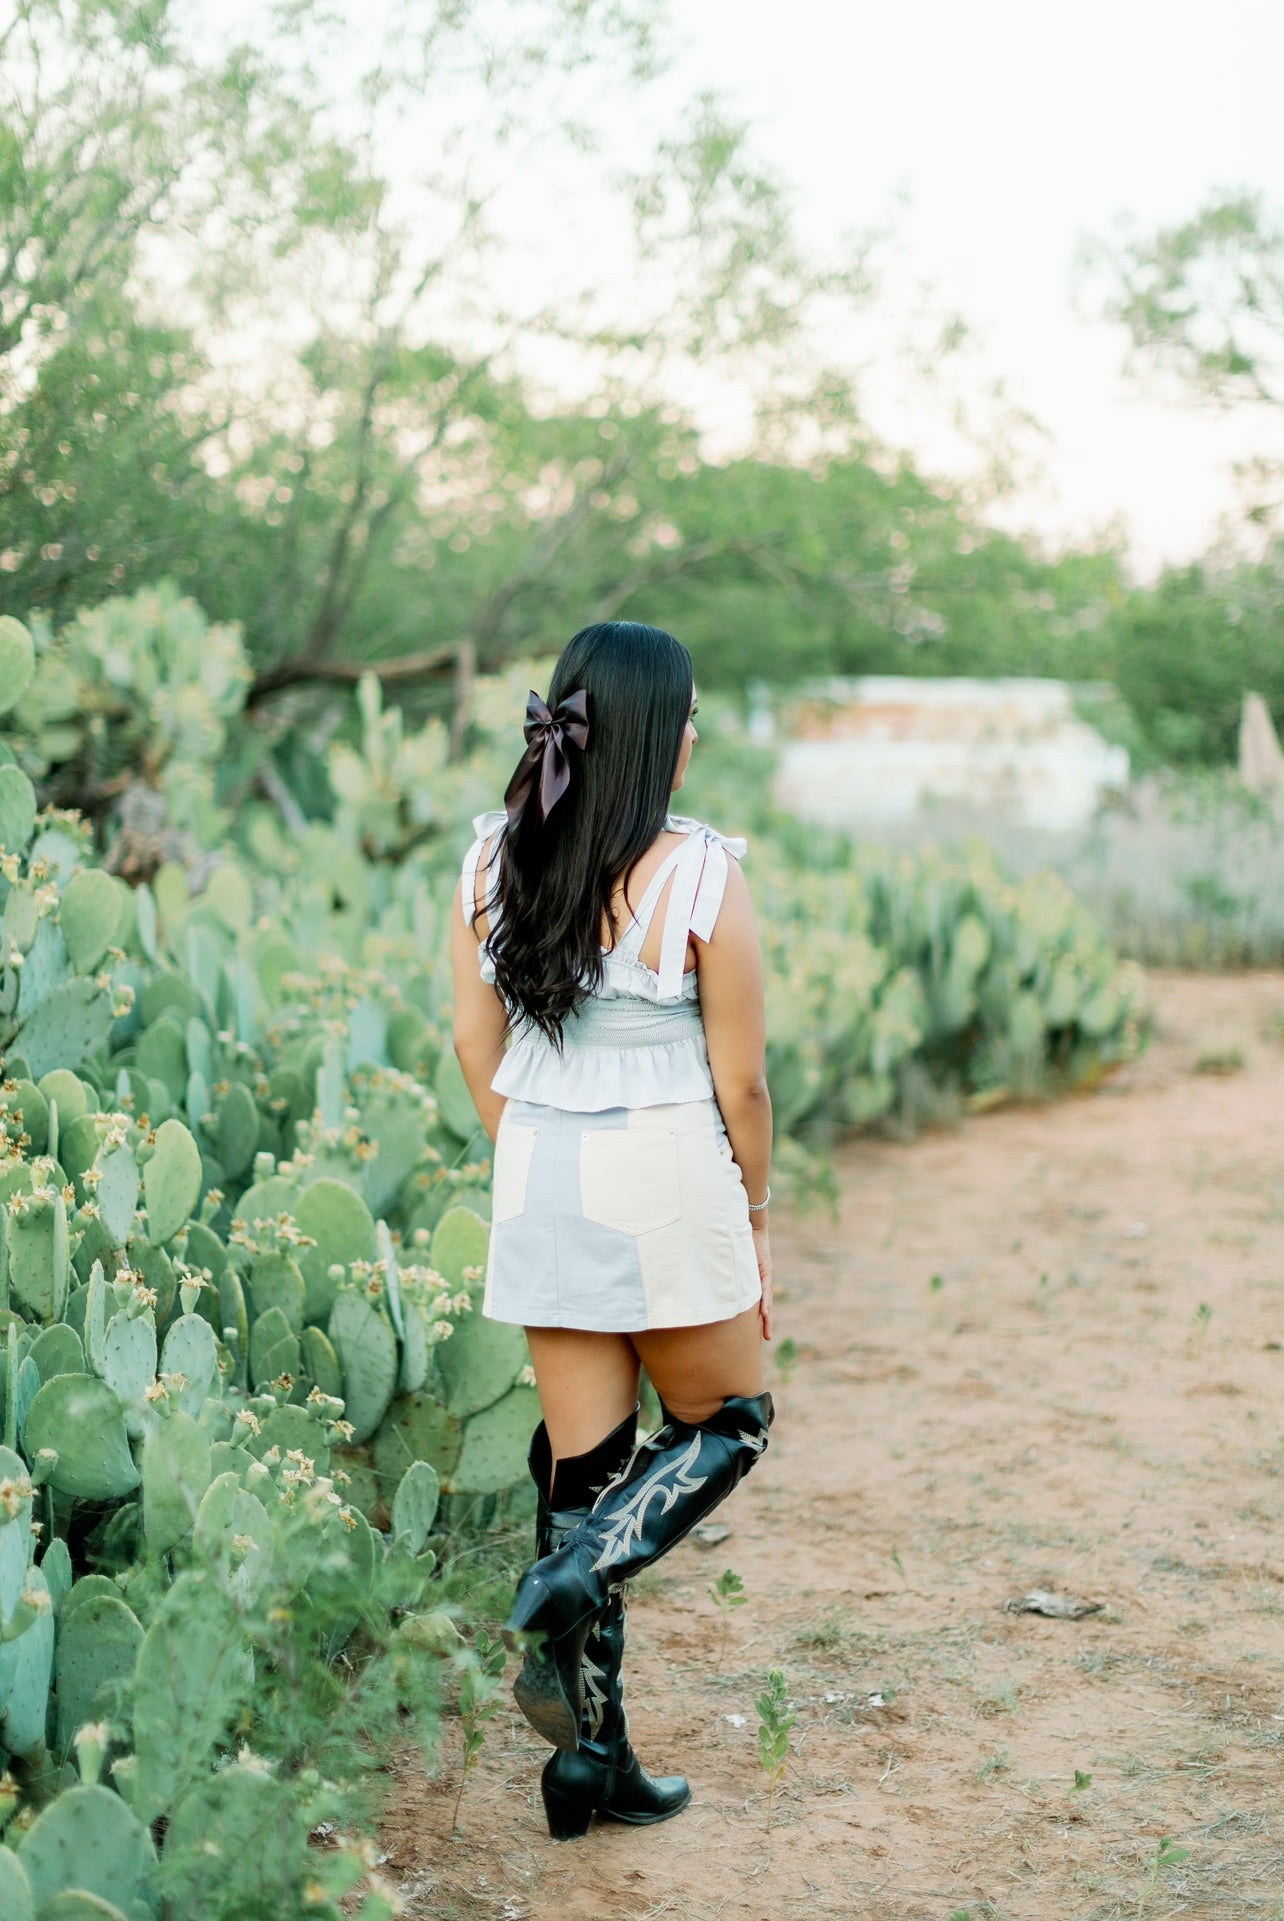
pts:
[695, 1369]
[588, 1384]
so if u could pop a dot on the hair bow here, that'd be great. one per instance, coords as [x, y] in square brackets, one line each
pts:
[547, 735]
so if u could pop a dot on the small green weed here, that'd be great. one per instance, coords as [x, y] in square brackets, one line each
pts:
[728, 1593]
[936, 1283]
[481, 1669]
[997, 1764]
[1198, 1328]
[786, 1359]
[1167, 1855]
[1082, 1782]
[1220, 1060]
[827, 1634]
[899, 1565]
[774, 1724]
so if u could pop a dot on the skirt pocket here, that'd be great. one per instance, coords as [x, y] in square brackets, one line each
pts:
[513, 1150]
[629, 1178]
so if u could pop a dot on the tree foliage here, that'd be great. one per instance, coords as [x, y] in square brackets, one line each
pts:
[260, 338]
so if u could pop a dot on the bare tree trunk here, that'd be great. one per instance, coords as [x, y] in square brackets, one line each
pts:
[462, 718]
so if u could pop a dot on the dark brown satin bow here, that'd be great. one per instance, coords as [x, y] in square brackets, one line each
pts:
[547, 735]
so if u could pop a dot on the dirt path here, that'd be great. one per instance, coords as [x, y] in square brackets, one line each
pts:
[1008, 1379]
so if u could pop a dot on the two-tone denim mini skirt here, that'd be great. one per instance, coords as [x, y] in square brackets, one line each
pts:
[618, 1220]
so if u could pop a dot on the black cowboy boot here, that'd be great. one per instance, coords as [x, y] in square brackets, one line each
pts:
[675, 1479]
[605, 1776]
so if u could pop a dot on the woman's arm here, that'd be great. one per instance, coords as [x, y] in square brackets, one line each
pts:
[480, 1020]
[735, 1025]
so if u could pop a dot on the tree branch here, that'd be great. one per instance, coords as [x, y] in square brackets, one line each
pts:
[302, 672]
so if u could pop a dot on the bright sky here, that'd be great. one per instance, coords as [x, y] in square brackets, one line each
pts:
[1019, 128]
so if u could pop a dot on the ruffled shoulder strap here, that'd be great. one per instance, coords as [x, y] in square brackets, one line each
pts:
[486, 827]
[699, 883]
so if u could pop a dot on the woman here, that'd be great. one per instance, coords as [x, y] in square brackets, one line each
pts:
[609, 1022]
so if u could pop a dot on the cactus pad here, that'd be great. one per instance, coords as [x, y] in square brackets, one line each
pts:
[171, 1181]
[414, 1505]
[16, 1903]
[496, 1443]
[117, 1193]
[89, 1841]
[69, 1024]
[341, 1224]
[39, 1255]
[26, 1666]
[238, 1129]
[176, 1473]
[289, 1428]
[274, 1348]
[417, 1428]
[80, 1418]
[460, 1240]
[414, 1350]
[320, 1362]
[88, 914]
[17, 661]
[190, 1349]
[57, 1350]
[190, 1679]
[367, 1351]
[479, 1363]
[15, 1538]
[61, 1085]
[17, 810]
[277, 1281]
[266, 1199]
[214, 1515]
[98, 1643]
[232, 1846]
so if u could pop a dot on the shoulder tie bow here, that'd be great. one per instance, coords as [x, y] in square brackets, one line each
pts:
[547, 735]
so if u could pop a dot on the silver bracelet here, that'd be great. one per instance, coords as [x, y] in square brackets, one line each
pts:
[756, 1207]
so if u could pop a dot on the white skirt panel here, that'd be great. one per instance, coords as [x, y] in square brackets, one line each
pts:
[618, 1220]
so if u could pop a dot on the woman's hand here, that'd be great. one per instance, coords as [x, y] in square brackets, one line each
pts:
[762, 1249]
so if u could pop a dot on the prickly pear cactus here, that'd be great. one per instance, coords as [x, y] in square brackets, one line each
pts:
[171, 1181]
[495, 1444]
[367, 1349]
[79, 1421]
[26, 1668]
[16, 1900]
[189, 1681]
[98, 1643]
[414, 1505]
[89, 1842]
[176, 1473]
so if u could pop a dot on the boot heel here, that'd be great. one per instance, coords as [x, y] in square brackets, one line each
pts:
[568, 1815]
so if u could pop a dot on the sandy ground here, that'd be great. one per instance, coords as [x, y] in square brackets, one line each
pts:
[1044, 1351]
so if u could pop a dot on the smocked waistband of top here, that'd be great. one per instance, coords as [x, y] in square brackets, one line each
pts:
[633, 1023]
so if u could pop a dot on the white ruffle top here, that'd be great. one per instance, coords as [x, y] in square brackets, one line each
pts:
[639, 1040]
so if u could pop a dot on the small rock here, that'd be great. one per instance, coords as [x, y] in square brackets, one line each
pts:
[1056, 1607]
[712, 1533]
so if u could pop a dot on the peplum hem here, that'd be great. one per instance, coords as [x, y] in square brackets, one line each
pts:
[589, 1080]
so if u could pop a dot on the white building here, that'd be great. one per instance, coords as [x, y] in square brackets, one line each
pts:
[885, 749]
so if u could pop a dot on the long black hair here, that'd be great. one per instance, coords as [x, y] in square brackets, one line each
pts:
[557, 875]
